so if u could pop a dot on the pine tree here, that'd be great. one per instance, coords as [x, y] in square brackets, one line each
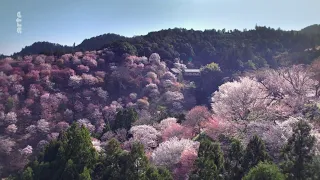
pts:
[254, 153]
[298, 152]
[125, 118]
[114, 164]
[70, 171]
[234, 161]
[119, 164]
[154, 173]
[137, 162]
[66, 157]
[210, 162]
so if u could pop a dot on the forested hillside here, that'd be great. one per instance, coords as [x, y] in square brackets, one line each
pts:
[122, 112]
[311, 30]
[232, 50]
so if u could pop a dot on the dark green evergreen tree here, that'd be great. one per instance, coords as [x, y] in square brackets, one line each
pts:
[113, 165]
[154, 173]
[234, 161]
[211, 78]
[119, 164]
[27, 174]
[315, 168]
[210, 162]
[298, 152]
[85, 175]
[67, 157]
[125, 118]
[254, 153]
[137, 162]
[70, 171]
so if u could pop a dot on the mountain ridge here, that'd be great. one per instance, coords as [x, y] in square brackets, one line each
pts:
[106, 38]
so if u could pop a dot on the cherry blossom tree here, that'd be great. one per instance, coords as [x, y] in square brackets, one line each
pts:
[62, 126]
[107, 136]
[169, 76]
[75, 81]
[133, 96]
[240, 100]
[152, 75]
[32, 129]
[196, 116]
[88, 79]
[176, 130]
[11, 118]
[154, 58]
[86, 123]
[27, 151]
[289, 88]
[43, 126]
[11, 129]
[185, 166]
[147, 135]
[142, 103]
[214, 127]
[7, 145]
[165, 123]
[170, 96]
[270, 133]
[168, 153]
[89, 61]
[151, 90]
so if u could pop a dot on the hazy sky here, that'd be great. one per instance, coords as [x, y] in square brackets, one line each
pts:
[69, 21]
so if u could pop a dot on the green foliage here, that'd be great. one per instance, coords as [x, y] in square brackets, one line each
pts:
[97, 42]
[234, 160]
[70, 171]
[210, 162]
[250, 65]
[137, 162]
[254, 153]
[312, 112]
[231, 50]
[212, 67]
[114, 163]
[264, 171]
[9, 103]
[67, 157]
[311, 30]
[72, 157]
[122, 47]
[27, 174]
[85, 175]
[119, 164]
[211, 79]
[125, 118]
[314, 168]
[298, 152]
[158, 174]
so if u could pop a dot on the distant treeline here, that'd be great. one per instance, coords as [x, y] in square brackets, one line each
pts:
[232, 50]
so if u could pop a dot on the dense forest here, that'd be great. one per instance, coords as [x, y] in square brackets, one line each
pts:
[232, 50]
[311, 30]
[120, 112]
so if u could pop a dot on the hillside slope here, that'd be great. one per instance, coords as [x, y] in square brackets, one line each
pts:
[232, 50]
[311, 30]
